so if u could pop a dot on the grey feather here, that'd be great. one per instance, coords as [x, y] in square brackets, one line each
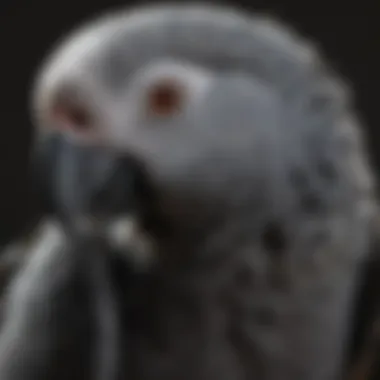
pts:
[262, 183]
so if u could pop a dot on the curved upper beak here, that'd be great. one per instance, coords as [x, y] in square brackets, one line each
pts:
[73, 179]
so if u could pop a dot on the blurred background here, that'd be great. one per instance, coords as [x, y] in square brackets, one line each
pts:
[347, 31]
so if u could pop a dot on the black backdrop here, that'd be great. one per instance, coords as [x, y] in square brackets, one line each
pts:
[347, 31]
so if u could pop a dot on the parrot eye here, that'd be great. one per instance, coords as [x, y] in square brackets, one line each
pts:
[69, 109]
[165, 98]
[74, 117]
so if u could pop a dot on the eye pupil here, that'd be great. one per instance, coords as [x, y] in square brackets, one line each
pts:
[165, 98]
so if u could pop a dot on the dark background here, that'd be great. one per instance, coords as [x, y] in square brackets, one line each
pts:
[346, 30]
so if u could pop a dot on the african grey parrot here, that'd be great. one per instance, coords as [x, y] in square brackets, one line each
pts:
[238, 155]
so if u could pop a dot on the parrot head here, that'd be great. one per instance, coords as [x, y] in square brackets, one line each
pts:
[218, 114]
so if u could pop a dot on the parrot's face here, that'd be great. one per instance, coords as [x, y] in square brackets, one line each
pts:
[196, 133]
[217, 121]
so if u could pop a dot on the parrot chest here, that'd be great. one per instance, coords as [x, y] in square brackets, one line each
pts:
[246, 328]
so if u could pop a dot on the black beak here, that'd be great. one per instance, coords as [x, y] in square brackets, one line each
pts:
[75, 180]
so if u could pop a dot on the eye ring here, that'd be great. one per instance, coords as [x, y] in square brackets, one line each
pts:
[165, 98]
